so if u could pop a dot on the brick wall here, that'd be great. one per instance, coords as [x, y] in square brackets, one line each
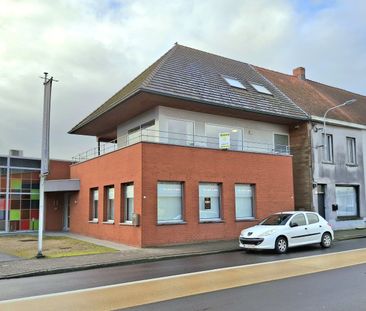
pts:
[271, 174]
[301, 150]
[146, 164]
[115, 168]
[54, 207]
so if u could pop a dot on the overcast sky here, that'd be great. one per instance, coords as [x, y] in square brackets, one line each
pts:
[94, 47]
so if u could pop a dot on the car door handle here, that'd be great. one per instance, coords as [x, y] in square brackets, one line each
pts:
[306, 228]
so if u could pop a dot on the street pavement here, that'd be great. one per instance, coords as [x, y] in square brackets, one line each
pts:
[155, 290]
[15, 267]
[334, 290]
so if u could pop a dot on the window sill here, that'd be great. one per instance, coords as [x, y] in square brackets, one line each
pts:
[246, 220]
[126, 223]
[213, 221]
[93, 221]
[352, 164]
[108, 222]
[171, 223]
[328, 162]
[345, 218]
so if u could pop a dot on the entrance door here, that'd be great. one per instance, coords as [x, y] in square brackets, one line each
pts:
[321, 200]
[66, 212]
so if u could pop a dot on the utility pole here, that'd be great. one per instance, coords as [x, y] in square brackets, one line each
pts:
[45, 152]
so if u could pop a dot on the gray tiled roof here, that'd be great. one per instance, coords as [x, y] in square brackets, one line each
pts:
[192, 74]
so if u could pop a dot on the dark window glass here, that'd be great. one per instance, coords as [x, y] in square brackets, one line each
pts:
[299, 220]
[312, 218]
[25, 163]
[276, 220]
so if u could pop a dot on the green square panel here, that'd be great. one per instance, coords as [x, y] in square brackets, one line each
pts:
[35, 194]
[16, 184]
[33, 225]
[14, 214]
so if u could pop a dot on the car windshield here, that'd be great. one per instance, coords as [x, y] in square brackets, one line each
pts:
[276, 220]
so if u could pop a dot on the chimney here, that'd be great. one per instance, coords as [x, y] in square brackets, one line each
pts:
[299, 72]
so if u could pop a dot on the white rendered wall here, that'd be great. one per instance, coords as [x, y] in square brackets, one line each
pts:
[255, 131]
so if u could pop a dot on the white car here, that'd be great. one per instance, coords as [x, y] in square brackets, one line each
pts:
[287, 229]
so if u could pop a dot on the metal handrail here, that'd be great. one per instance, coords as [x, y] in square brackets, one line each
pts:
[180, 139]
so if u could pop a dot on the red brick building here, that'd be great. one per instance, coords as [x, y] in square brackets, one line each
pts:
[195, 148]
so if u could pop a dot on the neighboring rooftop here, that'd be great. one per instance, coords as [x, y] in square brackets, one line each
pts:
[315, 98]
[197, 76]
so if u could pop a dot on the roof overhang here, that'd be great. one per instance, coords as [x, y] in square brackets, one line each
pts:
[338, 122]
[62, 185]
[105, 126]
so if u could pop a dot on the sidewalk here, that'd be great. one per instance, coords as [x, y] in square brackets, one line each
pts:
[126, 255]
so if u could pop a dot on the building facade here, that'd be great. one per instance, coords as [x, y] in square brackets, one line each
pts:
[196, 148]
[19, 194]
[329, 172]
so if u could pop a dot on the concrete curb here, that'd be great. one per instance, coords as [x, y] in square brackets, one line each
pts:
[113, 264]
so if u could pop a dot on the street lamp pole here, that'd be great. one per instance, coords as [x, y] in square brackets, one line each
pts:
[348, 102]
[45, 158]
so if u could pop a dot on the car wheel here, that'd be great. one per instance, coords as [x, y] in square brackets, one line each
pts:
[326, 241]
[281, 245]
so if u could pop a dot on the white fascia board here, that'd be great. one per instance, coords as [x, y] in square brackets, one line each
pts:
[338, 122]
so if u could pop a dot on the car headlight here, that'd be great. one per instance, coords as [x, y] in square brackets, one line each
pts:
[267, 233]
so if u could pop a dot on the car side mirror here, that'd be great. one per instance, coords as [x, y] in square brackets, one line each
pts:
[294, 224]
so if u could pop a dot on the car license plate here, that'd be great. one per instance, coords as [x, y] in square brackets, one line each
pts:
[249, 245]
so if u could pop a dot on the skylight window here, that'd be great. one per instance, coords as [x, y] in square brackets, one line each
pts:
[261, 89]
[235, 83]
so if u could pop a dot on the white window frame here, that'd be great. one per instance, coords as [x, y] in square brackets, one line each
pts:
[109, 204]
[94, 206]
[252, 186]
[126, 201]
[329, 151]
[215, 219]
[234, 82]
[170, 221]
[283, 134]
[342, 213]
[240, 147]
[351, 152]
[260, 88]
[188, 142]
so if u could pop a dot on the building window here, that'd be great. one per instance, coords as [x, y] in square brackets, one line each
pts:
[261, 88]
[328, 151]
[351, 150]
[213, 136]
[209, 201]
[170, 202]
[346, 197]
[312, 218]
[94, 196]
[180, 132]
[143, 132]
[128, 202]
[244, 203]
[299, 220]
[281, 143]
[234, 82]
[109, 204]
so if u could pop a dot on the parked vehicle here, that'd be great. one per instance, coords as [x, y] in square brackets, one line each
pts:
[288, 229]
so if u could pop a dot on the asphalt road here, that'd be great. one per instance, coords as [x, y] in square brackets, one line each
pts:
[31, 286]
[335, 290]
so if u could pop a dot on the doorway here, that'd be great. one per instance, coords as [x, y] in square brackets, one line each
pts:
[321, 200]
[66, 222]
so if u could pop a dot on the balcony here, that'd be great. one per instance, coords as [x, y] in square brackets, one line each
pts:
[179, 139]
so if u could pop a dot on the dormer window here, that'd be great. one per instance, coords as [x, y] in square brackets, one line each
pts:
[260, 88]
[234, 83]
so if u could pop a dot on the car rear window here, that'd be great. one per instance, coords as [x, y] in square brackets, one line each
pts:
[276, 220]
[312, 218]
